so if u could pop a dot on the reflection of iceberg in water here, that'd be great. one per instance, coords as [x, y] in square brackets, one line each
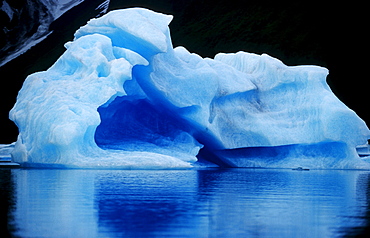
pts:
[201, 203]
[122, 97]
[271, 203]
[142, 204]
[54, 203]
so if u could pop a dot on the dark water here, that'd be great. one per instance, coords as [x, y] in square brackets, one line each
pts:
[184, 203]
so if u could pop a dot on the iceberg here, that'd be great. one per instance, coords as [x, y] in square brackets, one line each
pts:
[122, 97]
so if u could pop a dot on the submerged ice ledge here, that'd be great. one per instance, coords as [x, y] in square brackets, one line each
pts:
[122, 97]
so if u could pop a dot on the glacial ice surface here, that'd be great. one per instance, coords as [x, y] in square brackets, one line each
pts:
[122, 97]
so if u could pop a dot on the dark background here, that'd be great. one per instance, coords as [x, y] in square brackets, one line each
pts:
[329, 34]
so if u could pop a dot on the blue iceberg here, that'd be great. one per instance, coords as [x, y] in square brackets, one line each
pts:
[122, 97]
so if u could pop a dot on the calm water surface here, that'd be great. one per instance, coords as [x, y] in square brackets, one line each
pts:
[187, 203]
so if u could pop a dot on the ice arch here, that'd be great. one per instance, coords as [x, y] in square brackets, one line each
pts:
[122, 97]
